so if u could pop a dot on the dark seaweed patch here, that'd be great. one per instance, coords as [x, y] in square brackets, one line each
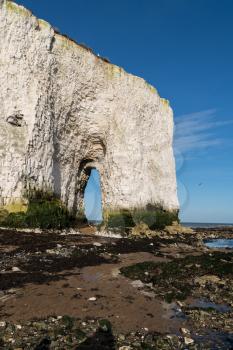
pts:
[174, 279]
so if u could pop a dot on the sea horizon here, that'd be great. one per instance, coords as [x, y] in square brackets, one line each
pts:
[185, 223]
[206, 224]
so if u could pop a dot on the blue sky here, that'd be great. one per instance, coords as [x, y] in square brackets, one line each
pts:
[185, 49]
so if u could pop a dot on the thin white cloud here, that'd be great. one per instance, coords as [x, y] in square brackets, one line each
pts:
[198, 131]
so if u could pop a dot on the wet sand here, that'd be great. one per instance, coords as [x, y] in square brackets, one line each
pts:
[51, 274]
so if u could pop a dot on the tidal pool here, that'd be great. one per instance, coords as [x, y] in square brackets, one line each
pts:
[206, 304]
[219, 243]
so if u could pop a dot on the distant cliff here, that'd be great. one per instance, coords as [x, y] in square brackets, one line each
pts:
[65, 111]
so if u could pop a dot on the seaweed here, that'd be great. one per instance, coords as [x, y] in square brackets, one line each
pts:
[174, 279]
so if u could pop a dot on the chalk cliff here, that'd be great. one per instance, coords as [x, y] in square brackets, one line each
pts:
[64, 111]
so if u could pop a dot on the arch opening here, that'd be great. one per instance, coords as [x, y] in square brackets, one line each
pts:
[93, 198]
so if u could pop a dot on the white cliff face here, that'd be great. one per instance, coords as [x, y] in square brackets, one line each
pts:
[64, 110]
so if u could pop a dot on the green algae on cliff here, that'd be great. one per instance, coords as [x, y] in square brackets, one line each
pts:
[43, 211]
[154, 217]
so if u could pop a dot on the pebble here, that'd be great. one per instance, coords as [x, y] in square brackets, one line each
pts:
[188, 341]
[92, 299]
[15, 269]
[121, 337]
[50, 251]
[137, 284]
[97, 244]
[12, 340]
[115, 272]
[149, 285]
[179, 303]
[12, 291]
[185, 331]
[2, 323]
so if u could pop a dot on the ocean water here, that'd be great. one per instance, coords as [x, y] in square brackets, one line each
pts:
[187, 224]
[220, 243]
[213, 243]
[205, 224]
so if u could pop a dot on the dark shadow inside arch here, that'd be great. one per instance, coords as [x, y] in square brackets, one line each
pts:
[92, 198]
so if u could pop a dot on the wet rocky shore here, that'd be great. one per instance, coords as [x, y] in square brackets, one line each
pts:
[84, 289]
